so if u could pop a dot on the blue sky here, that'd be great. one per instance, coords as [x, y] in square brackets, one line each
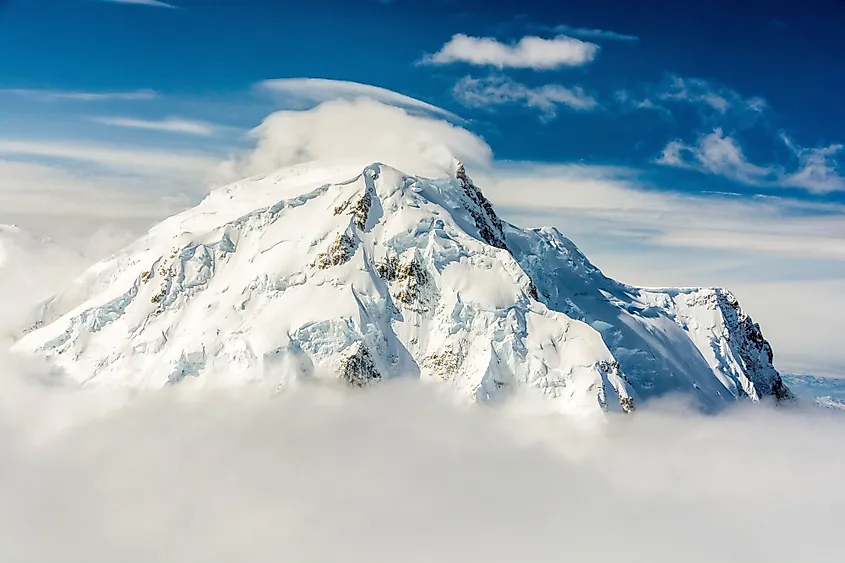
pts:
[211, 51]
[723, 120]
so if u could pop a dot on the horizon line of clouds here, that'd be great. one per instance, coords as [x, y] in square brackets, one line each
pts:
[48, 95]
[530, 52]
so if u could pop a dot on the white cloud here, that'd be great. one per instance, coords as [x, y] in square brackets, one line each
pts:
[362, 130]
[492, 91]
[587, 33]
[321, 475]
[35, 193]
[156, 3]
[529, 52]
[818, 169]
[719, 154]
[79, 96]
[304, 93]
[709, 95]
[170, 125]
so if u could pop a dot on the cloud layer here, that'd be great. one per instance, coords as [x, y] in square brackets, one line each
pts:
[529, 52]
[399, 474]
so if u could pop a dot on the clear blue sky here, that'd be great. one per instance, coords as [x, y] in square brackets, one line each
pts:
[205, 53]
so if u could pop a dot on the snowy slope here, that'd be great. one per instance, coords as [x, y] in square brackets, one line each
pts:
[690, 340]
[337, 273]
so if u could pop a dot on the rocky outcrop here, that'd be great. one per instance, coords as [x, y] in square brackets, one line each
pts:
[748, 344]
[358, 369]
[489, 225]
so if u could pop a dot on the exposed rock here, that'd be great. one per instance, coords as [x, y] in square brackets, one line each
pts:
[341, 208]
[747, 341]
[411, 278]
[445, 365]
[361, 209]
[357, 369]
[612, 369]
[340, 252]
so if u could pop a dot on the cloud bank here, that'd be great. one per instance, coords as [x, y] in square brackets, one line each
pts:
[531, 52]
[400, 474]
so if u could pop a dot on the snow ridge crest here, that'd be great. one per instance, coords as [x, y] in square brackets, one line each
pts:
[309, 274]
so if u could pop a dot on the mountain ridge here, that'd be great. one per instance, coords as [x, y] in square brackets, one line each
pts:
[402, 275]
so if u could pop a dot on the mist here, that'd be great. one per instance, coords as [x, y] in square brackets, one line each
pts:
[401, 473]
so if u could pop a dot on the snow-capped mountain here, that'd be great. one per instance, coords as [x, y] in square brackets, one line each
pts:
[338, 273]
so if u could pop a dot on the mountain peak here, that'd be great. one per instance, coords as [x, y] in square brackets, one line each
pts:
[360, 276]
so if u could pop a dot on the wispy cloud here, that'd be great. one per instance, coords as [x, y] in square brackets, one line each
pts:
[81, 96]
[587, 33]
[303, 93]
[37, 190]
[121, 159]
[713, 101]
[169, 125]
[499, 90]
[530, 52]
[709, 95]
[156, 3]
[716, 153]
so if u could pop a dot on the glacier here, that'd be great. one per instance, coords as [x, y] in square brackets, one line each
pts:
[352, 274]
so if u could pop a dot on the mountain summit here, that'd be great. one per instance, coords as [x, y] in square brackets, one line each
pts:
[342, 274]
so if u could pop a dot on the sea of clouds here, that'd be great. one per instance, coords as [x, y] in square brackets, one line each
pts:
[395, 473]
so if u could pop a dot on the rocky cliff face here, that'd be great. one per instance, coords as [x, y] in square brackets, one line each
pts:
[360, 276]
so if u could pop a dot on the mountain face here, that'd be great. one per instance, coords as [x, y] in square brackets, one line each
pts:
[335, 273]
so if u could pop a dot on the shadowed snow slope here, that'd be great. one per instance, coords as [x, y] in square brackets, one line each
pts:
[341, 274]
